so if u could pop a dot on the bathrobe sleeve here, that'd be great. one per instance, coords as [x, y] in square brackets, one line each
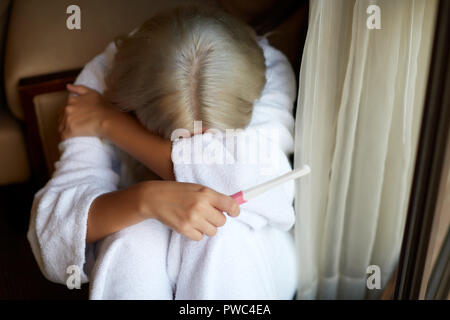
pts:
[240, 160]
[87, 168]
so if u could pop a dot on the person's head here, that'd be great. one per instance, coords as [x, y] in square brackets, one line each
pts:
[187, 64]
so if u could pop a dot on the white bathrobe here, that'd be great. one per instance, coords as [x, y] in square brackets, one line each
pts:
[250, 257]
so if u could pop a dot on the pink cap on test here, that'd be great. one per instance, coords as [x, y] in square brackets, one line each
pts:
[239, 197]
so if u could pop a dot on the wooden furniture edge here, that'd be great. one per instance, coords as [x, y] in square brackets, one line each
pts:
[29, 88]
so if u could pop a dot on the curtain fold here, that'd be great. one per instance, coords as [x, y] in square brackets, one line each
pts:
[360, 101]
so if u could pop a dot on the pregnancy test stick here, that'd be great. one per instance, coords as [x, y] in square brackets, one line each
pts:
[244, 196]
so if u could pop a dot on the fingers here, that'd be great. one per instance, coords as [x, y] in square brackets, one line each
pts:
[193, 234]
[202, 223]
[71, 100]
[198, 219]
[202, 212]
[205, 227]
[210, 218]
[216, 218]
[197, 230]
[225, 203]
[80, 90]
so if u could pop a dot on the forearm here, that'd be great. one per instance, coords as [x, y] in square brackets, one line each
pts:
[112, 212]
[148, 148]
[187, 208]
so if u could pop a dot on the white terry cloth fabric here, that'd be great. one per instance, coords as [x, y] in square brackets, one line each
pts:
[251, 257]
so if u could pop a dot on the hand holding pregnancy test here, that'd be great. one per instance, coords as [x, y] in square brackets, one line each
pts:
[244, 196]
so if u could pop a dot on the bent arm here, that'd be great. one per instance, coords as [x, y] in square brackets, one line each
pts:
[112, 212]
[127, 133]
[86, 170]
[150, 149]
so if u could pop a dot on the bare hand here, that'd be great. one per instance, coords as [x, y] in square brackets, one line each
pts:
[190, 209]
[84, 114]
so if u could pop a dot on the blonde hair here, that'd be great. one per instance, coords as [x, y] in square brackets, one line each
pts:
[188, 64]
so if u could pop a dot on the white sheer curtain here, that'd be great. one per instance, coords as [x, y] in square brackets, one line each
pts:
[360, 102]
